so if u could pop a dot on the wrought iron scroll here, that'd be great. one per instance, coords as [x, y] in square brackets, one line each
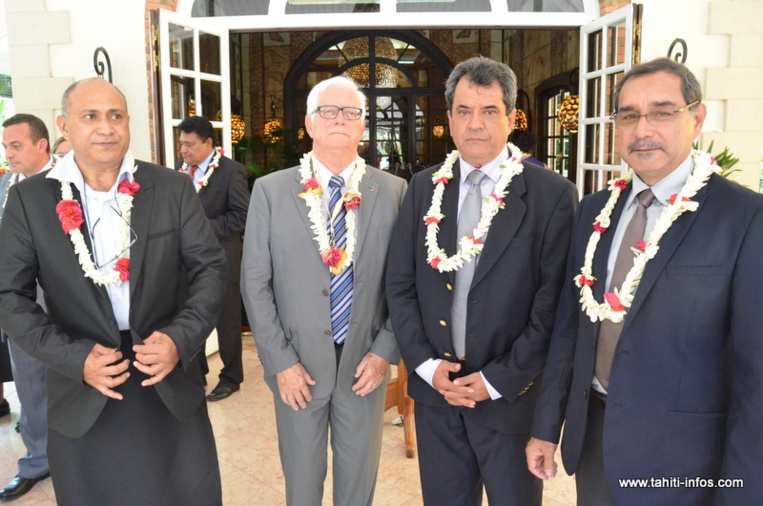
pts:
[100, 68]
[678, 54]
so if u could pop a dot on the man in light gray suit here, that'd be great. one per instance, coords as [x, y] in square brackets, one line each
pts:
[312, 281]
[27, 147]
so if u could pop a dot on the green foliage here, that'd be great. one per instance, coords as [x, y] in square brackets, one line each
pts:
[725, 159]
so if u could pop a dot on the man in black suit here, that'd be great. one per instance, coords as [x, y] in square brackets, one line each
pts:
[111, 240]
[658, 372]
[222, 187]
[475, 338]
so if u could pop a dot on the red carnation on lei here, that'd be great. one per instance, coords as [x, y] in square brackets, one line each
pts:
[334, 257]
[69, 214]
[123, 268]
[621, 184]
[586, 281]
[351, 200]
[614, 301]
[431, 219]
[435, 262]
[311, 184]
[442, 179]
[128, 188]
[641, 245]
[598, 228]
[675, 196]
[497, 199]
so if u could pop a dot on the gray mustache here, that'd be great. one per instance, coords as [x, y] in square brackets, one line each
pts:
[646, 144]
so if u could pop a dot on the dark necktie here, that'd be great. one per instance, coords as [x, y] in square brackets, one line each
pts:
[609, 332]
[341, 284]
[471, 210]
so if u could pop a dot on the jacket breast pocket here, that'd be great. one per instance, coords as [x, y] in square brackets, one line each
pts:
[160, 233]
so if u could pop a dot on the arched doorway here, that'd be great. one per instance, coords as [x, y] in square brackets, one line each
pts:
[403, 75]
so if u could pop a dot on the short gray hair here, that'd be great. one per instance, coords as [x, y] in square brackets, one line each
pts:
[690, 87]
[346, 82]
[483, 72]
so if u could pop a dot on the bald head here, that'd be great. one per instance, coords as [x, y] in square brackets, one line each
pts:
[92, 81]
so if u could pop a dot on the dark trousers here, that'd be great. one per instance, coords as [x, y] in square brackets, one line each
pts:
[457, 456]
[591, 482]
[229, 339]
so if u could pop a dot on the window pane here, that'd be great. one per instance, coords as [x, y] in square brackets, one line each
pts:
[181, 47]
[616, 45]
[183, 99]
[209, 53]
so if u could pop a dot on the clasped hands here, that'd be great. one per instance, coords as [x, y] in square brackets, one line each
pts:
[464, 391]
[294, 382]
[156, 357]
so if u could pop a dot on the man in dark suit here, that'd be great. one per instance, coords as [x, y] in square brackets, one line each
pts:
[27, 148]
[110, 240]
[222, 187]
[658, 372]
[472, 369]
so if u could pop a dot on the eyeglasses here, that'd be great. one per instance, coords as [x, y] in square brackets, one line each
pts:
[331, 112]
[657, 117]
[133, 238]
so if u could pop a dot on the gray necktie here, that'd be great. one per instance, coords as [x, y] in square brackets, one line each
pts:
[471, 210]
[609, 332]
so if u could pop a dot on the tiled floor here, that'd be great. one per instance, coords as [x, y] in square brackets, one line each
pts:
[247, 443]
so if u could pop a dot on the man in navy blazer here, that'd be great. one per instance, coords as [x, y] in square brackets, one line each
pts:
[474, 406]
[224, 192]
[676, 400]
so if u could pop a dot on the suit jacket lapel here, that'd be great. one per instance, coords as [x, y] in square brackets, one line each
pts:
[601, 258]
[448, 235]
[366, 208]
[301, 207]
[140, 221]
[503, 228]
[668, 245]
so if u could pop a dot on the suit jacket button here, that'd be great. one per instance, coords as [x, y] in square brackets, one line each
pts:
[449, 287]
[443, 323]
[585, 393]
[327, 332]
[447, 354]
[325, 293]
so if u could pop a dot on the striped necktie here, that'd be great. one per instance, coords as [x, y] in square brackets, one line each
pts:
[341, 284]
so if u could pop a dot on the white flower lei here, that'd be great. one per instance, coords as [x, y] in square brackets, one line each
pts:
[315, 199]
[124, 201]
[204, 180]
[469, 246]
[704, 167]
[13, 179]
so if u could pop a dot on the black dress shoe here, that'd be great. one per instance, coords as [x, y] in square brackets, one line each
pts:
[17, 428]
[222, 391]
[5, 408]
[19, 486]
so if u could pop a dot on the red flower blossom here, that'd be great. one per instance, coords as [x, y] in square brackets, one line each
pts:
[435, 262]
[311, 184]
[351, 201]
[123, 268]
[641, 245]
[586, 281]
[127, 187]
[334, 257]
[614, 301]
[443, 180]
[621, 184]
[475, 241]
[495, 197]
[70, 215]
[431, 219]
[598, 228]
[675, 196]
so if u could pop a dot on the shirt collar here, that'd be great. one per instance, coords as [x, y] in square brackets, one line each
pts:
[665, 187]
[492, 170]
[68, 170]
[51, 163]
[324, 175]
[205, 163]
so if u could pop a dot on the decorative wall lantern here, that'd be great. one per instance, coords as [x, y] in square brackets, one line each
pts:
[568, 113]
